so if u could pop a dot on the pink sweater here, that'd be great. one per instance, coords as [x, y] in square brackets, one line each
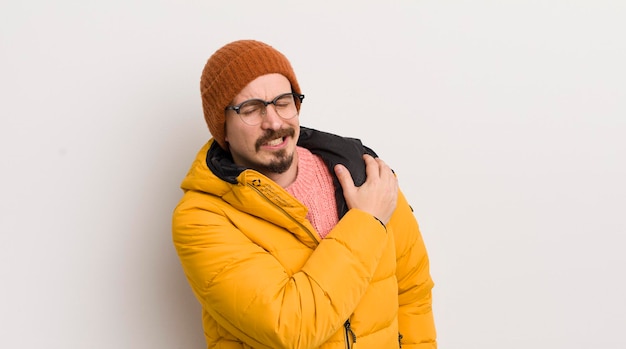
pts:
[314, 188]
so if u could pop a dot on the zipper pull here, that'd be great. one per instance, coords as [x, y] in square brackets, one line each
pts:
[349, 331]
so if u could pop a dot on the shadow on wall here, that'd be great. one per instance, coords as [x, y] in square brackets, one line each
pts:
[179, 315]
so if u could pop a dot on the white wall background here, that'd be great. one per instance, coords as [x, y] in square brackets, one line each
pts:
[505, 121]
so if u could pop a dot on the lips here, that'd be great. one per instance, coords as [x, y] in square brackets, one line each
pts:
[274, 138]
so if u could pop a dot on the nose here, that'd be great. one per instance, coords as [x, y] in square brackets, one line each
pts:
[271, 119]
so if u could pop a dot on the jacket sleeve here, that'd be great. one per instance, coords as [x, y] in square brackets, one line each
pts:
[257, 299]
[415, 316]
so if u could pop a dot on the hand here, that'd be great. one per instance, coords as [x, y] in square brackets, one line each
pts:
[378, 195]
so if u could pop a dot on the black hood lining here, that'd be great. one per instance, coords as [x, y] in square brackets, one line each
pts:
[333, 150]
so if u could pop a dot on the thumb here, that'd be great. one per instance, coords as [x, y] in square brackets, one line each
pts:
[345, 179]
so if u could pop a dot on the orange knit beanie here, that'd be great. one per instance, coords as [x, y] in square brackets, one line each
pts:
[229, 70]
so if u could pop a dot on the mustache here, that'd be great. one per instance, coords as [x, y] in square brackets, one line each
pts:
[273, 134]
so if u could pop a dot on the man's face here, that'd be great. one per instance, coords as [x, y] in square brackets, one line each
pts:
[268, 147]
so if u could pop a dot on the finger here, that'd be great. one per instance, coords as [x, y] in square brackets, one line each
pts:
[372, 168]
[344, 177]
[384, 171]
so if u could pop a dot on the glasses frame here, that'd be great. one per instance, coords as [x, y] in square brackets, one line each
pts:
[298, 99]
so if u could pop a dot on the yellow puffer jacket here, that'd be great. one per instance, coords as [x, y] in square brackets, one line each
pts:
[265, 279]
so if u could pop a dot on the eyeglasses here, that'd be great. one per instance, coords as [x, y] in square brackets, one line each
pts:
[252, 111]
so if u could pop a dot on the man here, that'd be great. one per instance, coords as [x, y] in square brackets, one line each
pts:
[291, 237]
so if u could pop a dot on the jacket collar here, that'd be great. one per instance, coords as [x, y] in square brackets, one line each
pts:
[333, 150]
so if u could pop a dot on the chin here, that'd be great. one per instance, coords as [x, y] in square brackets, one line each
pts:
[280, 162]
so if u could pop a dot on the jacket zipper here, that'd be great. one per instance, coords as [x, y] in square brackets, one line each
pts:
[400, 336]
[349, 334]
[311, 235]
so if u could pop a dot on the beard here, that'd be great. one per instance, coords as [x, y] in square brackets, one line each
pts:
[282, 160]
[281, 163]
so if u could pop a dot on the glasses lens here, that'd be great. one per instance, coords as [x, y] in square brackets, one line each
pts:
[251, 112]
[286, 106]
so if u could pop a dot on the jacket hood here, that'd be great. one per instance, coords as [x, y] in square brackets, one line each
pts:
[214, 172]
